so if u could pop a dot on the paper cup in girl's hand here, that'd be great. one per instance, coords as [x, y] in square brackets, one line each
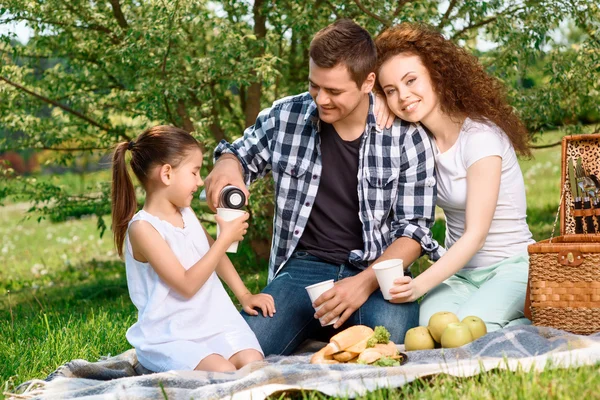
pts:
[229, 214]
[387, 272]
[314, 291]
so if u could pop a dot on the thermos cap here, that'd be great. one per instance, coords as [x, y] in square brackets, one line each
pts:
[230, 197]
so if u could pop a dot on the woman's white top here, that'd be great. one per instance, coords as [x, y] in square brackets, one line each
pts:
[172, 332]
[509, 234]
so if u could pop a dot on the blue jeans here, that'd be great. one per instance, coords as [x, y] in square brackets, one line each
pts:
[294, 320]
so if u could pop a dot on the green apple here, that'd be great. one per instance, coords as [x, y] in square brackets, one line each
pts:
[456, 334]
[418, 339]
[438, 322]
[476, 326]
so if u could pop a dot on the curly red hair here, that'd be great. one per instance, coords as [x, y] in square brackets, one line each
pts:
[461, 83]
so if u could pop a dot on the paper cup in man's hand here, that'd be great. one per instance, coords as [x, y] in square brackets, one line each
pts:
[314, 291]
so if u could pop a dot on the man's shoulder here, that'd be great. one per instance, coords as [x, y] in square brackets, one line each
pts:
[302, 101]
[292, 109]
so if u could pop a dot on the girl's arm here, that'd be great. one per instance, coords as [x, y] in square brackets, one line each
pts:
[483, 186]
[149, 246]
[229, 274]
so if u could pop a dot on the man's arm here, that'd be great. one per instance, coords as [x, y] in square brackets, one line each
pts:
[243, 161]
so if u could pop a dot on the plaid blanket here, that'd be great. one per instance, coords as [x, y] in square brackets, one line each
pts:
[122, 377]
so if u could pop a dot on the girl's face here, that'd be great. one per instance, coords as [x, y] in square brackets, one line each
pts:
[186, 179]
[408, 89]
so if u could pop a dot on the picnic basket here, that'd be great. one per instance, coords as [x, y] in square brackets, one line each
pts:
[564, 271]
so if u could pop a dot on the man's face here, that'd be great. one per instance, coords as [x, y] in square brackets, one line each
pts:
[334, 91]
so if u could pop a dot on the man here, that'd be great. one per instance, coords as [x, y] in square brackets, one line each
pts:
[347, 194]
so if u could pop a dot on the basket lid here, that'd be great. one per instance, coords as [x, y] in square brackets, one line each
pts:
[574, 146]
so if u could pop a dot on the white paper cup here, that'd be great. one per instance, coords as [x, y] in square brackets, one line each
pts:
[314, 291]
[229, 214]
[386, 272]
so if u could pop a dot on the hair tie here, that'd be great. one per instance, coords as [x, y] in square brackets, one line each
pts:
[130, 145]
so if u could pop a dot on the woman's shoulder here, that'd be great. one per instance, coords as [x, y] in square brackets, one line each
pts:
[485, 127]
[475, 133]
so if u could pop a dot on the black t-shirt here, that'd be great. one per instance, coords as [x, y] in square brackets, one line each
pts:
[334, 228]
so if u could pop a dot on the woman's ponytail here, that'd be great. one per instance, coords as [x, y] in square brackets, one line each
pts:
[124, 201]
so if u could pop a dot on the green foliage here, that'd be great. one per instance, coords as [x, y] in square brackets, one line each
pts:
[96, 73]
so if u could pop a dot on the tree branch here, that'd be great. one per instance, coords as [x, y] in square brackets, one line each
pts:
[71, 149]
[91, 60]
[92, 27]
[61, 106]
[545, 146]
[371, 14]
[446, 16]
[485, 22]
[474, 26]
[118, 13]
[401, 5]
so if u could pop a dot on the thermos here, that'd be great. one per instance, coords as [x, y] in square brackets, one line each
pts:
[230, 197]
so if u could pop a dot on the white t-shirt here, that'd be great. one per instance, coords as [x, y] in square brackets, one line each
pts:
[509, 234]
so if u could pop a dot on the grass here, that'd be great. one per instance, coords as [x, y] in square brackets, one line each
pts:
[63, 296]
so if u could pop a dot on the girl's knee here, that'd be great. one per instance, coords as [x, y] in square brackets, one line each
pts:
[215, 363]
[244, 357]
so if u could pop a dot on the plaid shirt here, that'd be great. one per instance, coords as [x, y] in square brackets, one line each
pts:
[396, 178]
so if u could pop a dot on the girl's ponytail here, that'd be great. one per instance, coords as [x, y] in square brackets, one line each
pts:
[124, 202]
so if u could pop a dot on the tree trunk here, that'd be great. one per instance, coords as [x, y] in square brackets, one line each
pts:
[254, 93]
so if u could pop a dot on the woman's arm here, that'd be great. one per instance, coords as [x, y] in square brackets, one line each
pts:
[483, 186]
[149, 246]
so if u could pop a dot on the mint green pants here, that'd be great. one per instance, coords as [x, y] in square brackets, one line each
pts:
[496, 294]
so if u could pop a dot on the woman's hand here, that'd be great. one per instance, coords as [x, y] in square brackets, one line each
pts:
[405, 290]
[263, 301]
[383, 116]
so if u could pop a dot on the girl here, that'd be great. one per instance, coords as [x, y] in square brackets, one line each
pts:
[186, 320]
[476, 135]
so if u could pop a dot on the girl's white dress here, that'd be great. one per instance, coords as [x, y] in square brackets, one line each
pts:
[172, 332]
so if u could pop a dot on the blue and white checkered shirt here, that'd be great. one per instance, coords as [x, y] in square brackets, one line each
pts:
[396, 178]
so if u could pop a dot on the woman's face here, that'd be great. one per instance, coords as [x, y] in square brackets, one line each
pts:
[408, 89]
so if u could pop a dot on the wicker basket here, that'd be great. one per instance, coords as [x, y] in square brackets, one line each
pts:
[564, 271]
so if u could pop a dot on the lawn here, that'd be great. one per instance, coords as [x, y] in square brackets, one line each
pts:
[63, 296]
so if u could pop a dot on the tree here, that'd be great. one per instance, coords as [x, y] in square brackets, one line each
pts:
[112, 68]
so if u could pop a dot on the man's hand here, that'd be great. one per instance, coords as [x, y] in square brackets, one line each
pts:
[405, 290]
[227, 171]
[344, 298]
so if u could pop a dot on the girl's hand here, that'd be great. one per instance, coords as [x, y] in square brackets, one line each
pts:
[405, 290]
[383, 116]
[263, 301]
[234, 230]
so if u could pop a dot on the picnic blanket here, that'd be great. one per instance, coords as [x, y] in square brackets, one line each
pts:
[123, 377]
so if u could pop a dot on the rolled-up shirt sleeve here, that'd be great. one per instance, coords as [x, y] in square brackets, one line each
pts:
[253, 149]
[415, 203]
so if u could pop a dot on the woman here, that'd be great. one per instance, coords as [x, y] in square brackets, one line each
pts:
[476, 135]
